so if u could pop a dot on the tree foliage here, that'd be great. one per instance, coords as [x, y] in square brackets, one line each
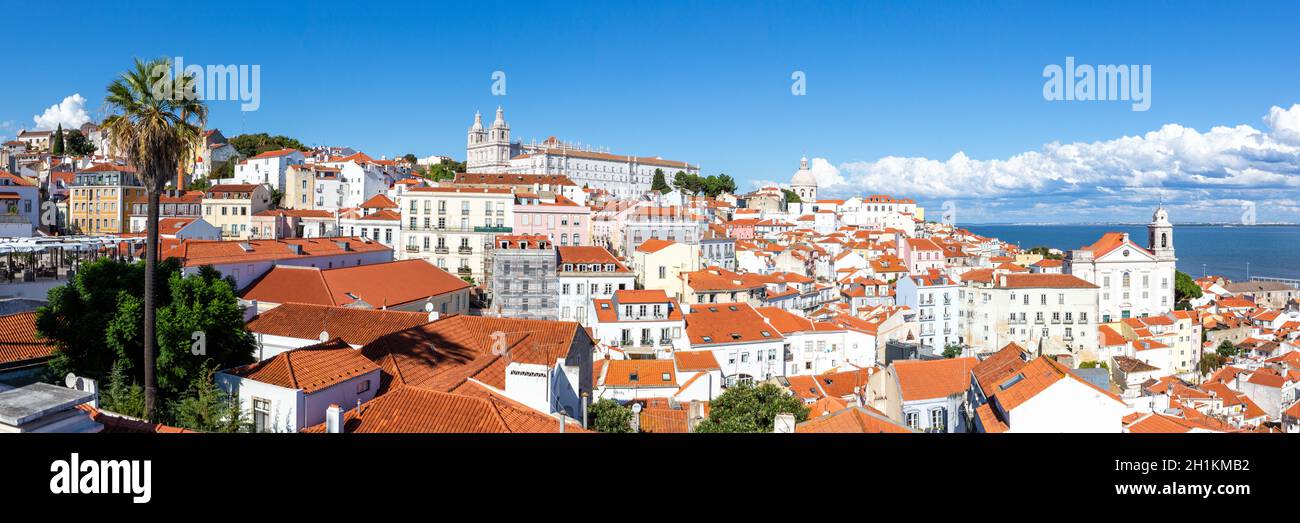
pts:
[255, 144]
[707, 185]
[206, 408]
[748, 408]
[791, 196]
[1226, 350]
[608, 416]
[1209, 362]
[76, 144]
[1185, 288]
[660, 182]
[56, 143]
[951, 350]
[96, 323]
[1045, 252]
[444, 171]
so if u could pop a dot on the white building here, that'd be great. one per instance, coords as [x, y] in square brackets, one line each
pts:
[588, 273]
[291, 390]
[746, 347]
[1052, 312]
[267, 168]
[490, 150]
[639, 323]
[934, 297]
[452, 227]
[804, 183]
[1134, 281]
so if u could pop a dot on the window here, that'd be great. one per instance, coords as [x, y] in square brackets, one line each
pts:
[913, 420]
[261, 415]
[937, 419]
[363, 386]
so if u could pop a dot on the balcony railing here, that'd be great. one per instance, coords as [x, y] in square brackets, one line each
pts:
[441, 250]
[465, 250]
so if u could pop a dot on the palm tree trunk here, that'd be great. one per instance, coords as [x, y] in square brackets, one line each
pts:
[150, 262]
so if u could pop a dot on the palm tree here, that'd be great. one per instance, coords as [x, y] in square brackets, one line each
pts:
[154, 119]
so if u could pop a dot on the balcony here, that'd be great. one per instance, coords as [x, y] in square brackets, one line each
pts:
[440, 250]
[412, 248]
[465, 250]
[493, 229]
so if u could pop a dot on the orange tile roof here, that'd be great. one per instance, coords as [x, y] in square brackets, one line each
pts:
[653, 245]
[310, 368]
[1037, 376]
[416, 410]
[1004, 363]
[195, 253]
[19, 341]
[630, 296]
[1042, 280]
[379, 201]
[379, 284]
[441, 355]
[929, 379]
[695, 361]
[723, 323]
[639, 373]
[352, 325]
[855, 420]
[588, 254]
[785, 321]
[1109, 242]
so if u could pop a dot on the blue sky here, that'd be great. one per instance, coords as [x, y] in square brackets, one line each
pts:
[915, 82]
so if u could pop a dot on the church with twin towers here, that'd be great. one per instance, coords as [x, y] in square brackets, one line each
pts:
[490, 150]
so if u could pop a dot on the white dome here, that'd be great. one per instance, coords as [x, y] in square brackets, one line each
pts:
[478, 122]
[803, 176]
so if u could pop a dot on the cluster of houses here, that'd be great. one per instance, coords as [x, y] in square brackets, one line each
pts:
[383, 301]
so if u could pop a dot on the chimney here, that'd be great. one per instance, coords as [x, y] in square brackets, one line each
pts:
[784, 424]
[334, 419]
[250, 311]
[694, 414]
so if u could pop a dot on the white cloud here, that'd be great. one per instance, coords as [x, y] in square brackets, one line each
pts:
[1285, 123]
[1174, 163]
[70, 113]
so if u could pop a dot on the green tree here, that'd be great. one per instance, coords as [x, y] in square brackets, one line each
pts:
[608, 416]
[255, 144]
[77, 316]
[155, 120]
[951, 350]
[660, 183]
[724, 184]
[276, 196]
[410, 157]
[121, 394]
[791, 196]
[444, 171]
[681, 181]
[1185, 288]
[1209, 362]
[1045, 252]
[207, 408]
[201, 307]
[56, 143]
[1093, 365]
[747, 408]
[1226, 350]
[78, 145]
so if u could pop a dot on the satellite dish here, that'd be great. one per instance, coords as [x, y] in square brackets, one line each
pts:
[324, 336]
[70, 380]
[428, 306]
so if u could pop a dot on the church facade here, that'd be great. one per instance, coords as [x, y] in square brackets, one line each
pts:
[1134, 281]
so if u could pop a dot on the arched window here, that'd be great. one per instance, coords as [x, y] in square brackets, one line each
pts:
[1164, 240]
[1126, 280]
